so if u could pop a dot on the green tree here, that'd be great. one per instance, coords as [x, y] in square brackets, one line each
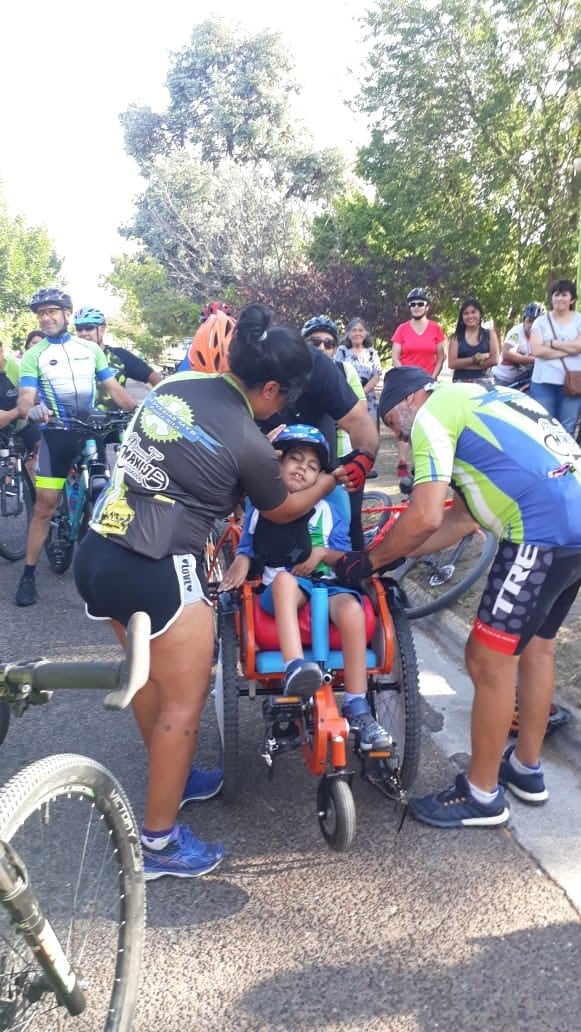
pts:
[474, 111]
[153, 314]
[232, 179]
[27, 261]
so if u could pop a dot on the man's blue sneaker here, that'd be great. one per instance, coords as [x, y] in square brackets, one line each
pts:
[303, 679]
[202, 784]
[455, 808]
[372, 736]
[185, 857]
[529, 787]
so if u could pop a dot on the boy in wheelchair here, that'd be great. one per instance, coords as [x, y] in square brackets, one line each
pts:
[296, 555]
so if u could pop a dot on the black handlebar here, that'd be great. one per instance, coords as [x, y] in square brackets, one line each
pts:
[96, 422]
[122, 680]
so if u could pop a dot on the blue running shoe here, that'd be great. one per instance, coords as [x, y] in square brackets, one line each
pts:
[455, 808]
[372, 736]
[185, 857]
[528, 787]
[202, 784]
[303, 679]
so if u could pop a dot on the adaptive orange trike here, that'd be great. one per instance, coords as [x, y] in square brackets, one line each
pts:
[249, 646]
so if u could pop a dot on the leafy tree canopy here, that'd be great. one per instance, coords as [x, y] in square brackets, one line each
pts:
[27, 262]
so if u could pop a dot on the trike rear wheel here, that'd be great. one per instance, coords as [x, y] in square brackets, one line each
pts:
[337, 816]
[228, 669]
[395, 698]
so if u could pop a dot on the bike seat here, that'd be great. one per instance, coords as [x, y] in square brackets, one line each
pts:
[266, 635]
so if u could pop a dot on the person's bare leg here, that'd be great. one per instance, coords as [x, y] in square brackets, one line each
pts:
[493, 675]
[288, 599]
[347, 614]
[536, 682]
[44, 509]
[169, 707]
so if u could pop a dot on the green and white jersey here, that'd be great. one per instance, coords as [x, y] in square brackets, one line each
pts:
[515, 467]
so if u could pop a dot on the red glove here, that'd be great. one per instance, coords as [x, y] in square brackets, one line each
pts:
[357, 465]
[353, 566]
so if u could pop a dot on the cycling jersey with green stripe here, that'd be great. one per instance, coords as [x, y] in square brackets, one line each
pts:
[515, 467]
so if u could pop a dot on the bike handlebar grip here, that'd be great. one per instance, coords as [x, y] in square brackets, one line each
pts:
[134, 671]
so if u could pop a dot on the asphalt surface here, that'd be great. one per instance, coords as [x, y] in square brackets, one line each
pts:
[421, 930]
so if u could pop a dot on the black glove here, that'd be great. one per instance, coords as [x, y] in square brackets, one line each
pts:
[357, 465]
[353, 566]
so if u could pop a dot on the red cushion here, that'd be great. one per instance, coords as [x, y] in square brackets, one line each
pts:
[267, 638]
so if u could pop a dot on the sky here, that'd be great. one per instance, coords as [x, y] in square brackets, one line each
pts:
[68, 69]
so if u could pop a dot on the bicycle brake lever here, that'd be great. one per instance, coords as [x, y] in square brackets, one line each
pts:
[134, 670]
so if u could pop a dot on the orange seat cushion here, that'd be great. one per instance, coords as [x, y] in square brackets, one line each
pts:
[266, 635]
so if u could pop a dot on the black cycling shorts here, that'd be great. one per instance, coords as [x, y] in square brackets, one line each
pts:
[115, 582]
[529, 592]
[58, 451]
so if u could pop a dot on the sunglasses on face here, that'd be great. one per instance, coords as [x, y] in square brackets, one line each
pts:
[318, 342]
[51, 312]
[86, 326]
[417, 304]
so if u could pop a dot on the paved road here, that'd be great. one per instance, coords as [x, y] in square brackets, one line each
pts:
[424, 930]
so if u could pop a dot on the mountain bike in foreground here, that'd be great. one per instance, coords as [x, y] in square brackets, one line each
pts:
[87, 477]
[72, 902]
[431, 582]
[16, 495]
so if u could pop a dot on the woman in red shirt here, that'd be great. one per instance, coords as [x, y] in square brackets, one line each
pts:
[418, 342]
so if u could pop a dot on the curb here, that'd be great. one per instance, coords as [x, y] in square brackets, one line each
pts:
[452, 633]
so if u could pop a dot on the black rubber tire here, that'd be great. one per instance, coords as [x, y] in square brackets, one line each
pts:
[396, 705]
[374, 521]
[4, 719]
[337, 814]
[89, 887]
[470, 558]
[231, 706]
[58, 546]
[14, 529]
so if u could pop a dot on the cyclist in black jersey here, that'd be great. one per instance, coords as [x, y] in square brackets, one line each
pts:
[58, 377]
[90, 324]
[191, 451]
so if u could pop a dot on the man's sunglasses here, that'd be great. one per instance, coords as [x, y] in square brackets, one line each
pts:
[418, 304]
[86, 326]
[318, 341]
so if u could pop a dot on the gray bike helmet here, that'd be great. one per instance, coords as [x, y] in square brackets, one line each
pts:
[51, 296]
[418, 294]
[533, 310]
[320, 322]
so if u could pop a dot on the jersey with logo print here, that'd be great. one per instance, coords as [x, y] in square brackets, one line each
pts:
[65, 372]
[515, 467]
[190, 452]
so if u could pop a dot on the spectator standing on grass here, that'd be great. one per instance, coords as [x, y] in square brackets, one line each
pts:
[417, 342]
[556, 344]
[356, 349]
[473, 349]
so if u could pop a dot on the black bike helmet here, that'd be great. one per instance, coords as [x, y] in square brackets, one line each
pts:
[318, 323]
[418, 294]
[533, 310]
[51, 296]
[302, 433]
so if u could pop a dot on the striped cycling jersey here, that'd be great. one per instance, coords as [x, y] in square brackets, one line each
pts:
[515, 467]
[65, 371]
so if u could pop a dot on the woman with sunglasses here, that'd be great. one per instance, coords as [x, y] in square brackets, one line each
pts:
[418, 342]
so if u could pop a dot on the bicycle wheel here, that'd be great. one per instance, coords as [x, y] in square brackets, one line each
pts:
[372, 521]
[70, 822]
[16, 505]
[395, 698]
[434, 582]
[58, 546]
[337, 815]
[228, 669]
[4, 720]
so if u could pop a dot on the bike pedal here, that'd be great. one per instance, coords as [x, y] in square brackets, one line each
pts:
[380, 754]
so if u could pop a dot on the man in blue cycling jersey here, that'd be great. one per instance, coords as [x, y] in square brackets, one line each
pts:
[58, 377]
[516, 472]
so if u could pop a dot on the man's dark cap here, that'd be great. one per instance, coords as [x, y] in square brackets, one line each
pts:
[400, 382]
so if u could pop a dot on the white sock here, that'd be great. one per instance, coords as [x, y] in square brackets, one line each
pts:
[520, 767]
[480, 795]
